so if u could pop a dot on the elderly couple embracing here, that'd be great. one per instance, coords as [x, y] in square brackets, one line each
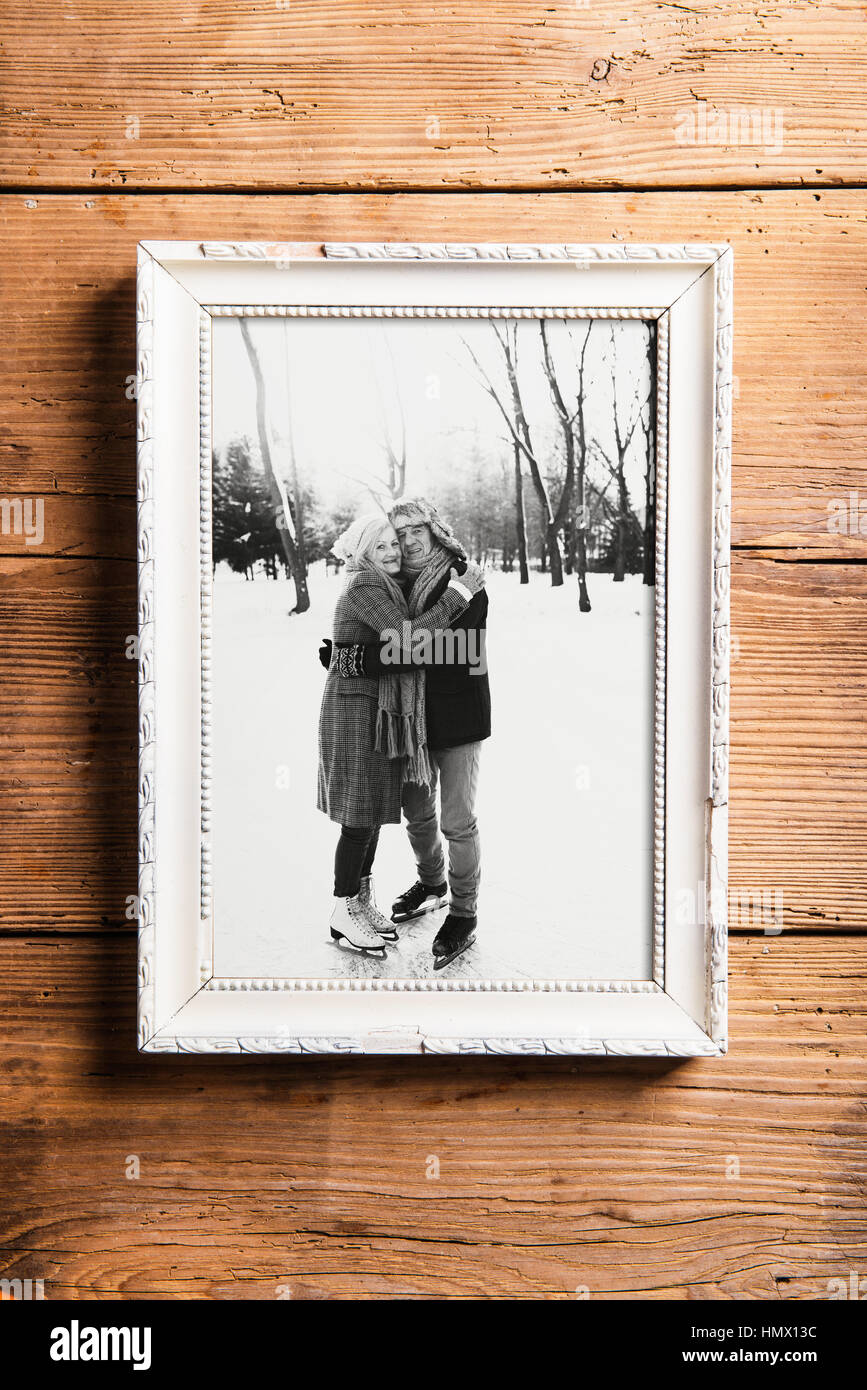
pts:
[404, 713]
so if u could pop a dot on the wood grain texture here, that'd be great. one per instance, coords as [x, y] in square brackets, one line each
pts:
[798, 837]
[310, 1174]
[68, 730]
[346, 96]
[798, 809]
[800, 419]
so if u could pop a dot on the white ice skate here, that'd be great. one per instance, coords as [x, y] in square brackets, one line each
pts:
[349, 923]
[381, 925]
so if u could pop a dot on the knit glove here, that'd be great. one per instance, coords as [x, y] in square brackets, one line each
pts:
[350, 659]
[360, 659]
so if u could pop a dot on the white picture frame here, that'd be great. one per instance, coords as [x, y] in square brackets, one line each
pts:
[183, 1005]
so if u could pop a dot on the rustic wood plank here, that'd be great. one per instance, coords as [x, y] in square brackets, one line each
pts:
[310, 1173]
[800, 433]
[47, 525]
[68, 731]
[390, 96]
[68, 743]
[798, 842]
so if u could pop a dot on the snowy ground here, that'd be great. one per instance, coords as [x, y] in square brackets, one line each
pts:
[564, 809]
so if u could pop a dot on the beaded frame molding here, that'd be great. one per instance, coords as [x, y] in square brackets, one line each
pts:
[713, 260]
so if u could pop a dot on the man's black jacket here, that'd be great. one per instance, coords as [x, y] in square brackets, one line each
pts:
[457, 693]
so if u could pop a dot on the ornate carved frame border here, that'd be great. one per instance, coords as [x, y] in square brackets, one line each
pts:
[718, 261]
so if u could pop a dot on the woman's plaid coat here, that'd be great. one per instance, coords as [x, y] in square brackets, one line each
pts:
[358, 785]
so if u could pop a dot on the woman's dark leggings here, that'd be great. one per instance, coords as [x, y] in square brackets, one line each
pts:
[353, 861]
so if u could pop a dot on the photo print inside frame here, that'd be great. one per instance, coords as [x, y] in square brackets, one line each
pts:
[532, 441]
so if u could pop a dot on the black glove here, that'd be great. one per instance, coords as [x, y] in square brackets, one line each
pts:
[359, 659]
[350, 657]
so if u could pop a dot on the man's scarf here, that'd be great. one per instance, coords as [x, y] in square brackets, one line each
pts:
[426, 577]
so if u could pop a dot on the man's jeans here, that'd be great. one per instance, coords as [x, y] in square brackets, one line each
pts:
[456, 770]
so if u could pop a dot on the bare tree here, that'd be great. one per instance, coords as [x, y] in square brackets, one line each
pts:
[555, 515]
[521, 519]
[519, 430]
[295, 488]
[625, 423]
[385, 490]
[395, 449]
[285, 520]
[572, 427]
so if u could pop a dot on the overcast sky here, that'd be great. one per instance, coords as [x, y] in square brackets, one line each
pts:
[341, 379]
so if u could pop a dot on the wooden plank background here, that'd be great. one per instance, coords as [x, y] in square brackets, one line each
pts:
[651, 1179]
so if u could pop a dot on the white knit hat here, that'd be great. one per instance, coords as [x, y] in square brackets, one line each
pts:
[358, 538]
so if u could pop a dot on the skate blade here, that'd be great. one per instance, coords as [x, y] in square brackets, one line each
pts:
[422, 912]
[362, 950]
[440, 962]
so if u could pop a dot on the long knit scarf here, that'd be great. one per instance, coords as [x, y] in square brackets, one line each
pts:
[400, 729]
[426, 577]
[401, 723]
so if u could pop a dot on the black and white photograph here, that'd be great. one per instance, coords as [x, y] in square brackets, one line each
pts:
[433, 546]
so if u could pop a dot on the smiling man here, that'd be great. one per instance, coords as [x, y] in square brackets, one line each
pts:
[458, 714]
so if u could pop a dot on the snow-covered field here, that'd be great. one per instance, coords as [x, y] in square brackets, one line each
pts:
[565, 799]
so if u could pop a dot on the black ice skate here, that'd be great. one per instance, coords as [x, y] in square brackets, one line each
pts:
[452, 939]
[418, 900]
